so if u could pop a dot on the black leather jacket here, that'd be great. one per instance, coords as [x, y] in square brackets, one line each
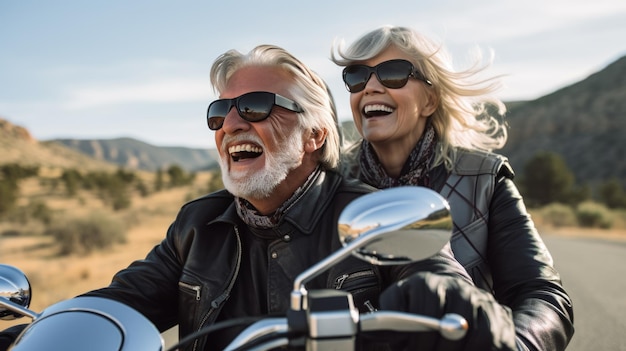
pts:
[188, 277]
[521, 268]
[507, 255]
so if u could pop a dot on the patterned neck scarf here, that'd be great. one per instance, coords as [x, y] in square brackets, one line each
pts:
[253, 218]
[414, 171]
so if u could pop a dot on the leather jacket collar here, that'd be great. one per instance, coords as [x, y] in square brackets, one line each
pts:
[302, 216]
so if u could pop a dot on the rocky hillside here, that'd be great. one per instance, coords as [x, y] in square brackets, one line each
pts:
[585, 123]
[18, 146]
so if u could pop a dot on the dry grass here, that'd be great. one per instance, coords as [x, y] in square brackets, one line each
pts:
[54, 278]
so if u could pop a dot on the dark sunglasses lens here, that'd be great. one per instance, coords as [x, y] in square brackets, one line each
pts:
[394, 74]
[255, 106]
[217, 112]
[356, 77]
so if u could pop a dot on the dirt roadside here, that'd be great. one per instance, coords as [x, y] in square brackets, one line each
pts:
[609, 234]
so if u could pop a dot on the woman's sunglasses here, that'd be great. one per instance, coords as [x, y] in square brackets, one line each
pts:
[393, 74]
[252, 107]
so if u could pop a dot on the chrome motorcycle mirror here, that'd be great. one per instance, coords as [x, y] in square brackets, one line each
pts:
[391, 226]
[402, 225]
[15, 294]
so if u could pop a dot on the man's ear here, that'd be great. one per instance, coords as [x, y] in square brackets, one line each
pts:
[432, 102]
[315, 140]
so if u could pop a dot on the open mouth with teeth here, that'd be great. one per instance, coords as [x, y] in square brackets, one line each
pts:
[244, 151]
[377, 110]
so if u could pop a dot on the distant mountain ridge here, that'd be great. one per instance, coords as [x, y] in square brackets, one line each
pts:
[136, 154]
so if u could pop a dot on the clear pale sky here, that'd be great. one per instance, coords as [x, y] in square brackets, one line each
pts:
[140, 68]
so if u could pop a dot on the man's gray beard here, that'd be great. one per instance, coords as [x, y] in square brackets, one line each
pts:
[260, 184]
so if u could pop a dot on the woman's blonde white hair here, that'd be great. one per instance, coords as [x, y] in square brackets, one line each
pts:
[468, 115]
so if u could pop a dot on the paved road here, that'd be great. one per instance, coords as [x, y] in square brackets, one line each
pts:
[594, 273]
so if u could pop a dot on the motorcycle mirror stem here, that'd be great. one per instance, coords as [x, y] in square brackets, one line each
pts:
[15, 293]
[18, 310]
[387, 227]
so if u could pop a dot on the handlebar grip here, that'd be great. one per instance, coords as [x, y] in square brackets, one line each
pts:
[450, 326]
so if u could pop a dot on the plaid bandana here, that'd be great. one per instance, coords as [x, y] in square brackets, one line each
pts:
[253, 218]
[414, 171]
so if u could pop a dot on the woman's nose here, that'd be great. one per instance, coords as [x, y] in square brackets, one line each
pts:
[372, 83]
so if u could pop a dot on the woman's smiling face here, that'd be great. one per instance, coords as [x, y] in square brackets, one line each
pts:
[386, 116]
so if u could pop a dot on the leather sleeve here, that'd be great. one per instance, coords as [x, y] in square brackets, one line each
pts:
[524, 275]
[8, 336]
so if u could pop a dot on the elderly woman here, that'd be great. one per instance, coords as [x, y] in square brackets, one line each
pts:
[423, 123]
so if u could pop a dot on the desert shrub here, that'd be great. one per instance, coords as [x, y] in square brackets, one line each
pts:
[34, 211]
[612, 194]
[159, 183]
[40, 211]
[178, 177]
[120, 202]
[594, 215]
[547, 179]
[10, 176]
[85, 235]
[72, 180]
[16, 172]
[558, 215]
[11, 232]
[9, 192]
[125, 176]
[142, 188]
[112, 188]
[215, 182]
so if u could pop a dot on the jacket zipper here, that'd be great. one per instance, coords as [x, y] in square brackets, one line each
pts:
[195, 288]
[217, 302]
[341, 279]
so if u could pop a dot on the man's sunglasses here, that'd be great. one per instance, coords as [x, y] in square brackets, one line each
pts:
[392, 74]
[252, 107]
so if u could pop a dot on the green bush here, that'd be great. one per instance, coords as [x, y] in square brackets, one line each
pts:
[178, 177]
[72, 179]
[9, 192]
[34, 211]
[215, 182]
[85, 235]
[112, 188]
[547, 179]
[594, 215]
[612, 194]
[558, 215]
[15, 171]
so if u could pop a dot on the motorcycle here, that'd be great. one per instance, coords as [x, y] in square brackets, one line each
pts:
[387, 227]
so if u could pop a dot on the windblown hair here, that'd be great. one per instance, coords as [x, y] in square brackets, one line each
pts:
[308, 90]
[468, 115]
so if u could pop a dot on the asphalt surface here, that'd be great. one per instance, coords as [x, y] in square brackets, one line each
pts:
[593, 271]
